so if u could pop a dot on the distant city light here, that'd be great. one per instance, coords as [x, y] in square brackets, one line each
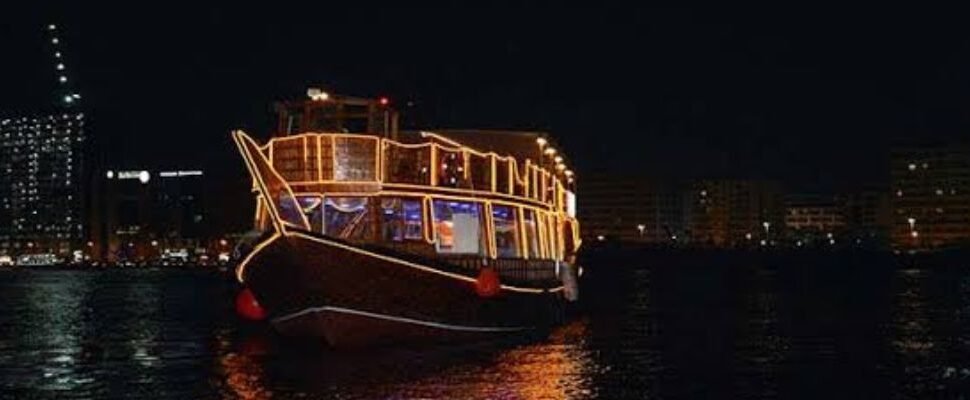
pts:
[110, 174]
[541, 141]
[144, 176]
[54, 40]
[384, 101]
[51, 27]
[60, 66]
[62, 79]
[550, 151]
[173, 174]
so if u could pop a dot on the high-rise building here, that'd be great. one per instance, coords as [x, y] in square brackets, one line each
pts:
[44, 168]
[42, 173]
[930, 196]
[630, 209]
[734, 213]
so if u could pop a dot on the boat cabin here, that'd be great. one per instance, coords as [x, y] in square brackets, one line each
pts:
[465, 196]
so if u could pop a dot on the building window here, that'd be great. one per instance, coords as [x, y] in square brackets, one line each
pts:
[506, 231]
[457, 227]
[344, 217]
[401, 219]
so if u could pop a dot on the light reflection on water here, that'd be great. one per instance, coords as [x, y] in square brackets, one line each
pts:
[688, 333]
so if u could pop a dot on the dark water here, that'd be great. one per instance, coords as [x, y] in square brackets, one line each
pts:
[696, 332]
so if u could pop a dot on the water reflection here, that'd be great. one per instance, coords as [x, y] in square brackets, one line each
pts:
[672, 332]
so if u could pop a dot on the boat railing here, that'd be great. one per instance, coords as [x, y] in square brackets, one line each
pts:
[334, 159]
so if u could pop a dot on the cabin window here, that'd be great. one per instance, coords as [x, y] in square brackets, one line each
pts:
[401, 219]
[313, 209]
[506, 231]
[531, 233]
[289, 209]
[345, 217]
[457, 227]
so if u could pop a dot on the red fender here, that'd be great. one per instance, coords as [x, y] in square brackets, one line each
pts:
[247, 306]
[487, 284]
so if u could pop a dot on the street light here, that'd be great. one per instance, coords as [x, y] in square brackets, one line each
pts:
[912, 223]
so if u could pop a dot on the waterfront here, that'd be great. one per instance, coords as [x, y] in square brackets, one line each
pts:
[855, 331]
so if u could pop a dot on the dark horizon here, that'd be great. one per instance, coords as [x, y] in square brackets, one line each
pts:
[814, 99]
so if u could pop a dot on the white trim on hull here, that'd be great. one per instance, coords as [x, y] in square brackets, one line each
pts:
[392, 318]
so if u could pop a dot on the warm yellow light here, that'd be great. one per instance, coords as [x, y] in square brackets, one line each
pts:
[560, 167]
[558, 159]
[550, 151]
[541, 141]
[569, 172]
[317, 94]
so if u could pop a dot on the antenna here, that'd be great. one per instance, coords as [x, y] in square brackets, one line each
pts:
[66, 95]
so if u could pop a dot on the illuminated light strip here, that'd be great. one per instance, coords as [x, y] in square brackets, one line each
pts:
[399, 319]
[305, 155]
[242, 137]
[525, 238]
[237, 138]
[513, 170]
[241, 268]
[471, 193]
[490, 226]
[543, 229]
[428, 221]
[434, 164]
[319, 159]
[406, 263]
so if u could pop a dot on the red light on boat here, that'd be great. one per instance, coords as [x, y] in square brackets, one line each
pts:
[247, 306]
[384, 101]
[487, 283]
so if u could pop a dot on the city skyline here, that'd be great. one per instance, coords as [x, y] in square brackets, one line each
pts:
[693, 95]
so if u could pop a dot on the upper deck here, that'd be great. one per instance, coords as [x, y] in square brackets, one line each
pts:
[422, 163]
[315, 152]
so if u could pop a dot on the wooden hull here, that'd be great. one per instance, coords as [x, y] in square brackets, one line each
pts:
[312, 286]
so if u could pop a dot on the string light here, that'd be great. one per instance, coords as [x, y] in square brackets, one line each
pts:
[552, 212]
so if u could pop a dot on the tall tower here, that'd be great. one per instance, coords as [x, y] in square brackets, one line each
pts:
[66, 94]
[44, 173]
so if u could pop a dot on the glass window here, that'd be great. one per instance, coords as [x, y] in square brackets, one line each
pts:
[457, 227]
[401, 219]
[345, 217]
[531, 234]
[506, 231]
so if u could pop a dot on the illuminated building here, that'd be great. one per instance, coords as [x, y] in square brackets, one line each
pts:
[148, 214]
[930, 196]
[734, 213]
[44, 166]
[42, 176]
[631, 210]
[813, 218]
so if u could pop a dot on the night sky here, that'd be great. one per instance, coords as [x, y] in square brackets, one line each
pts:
[803, 95]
